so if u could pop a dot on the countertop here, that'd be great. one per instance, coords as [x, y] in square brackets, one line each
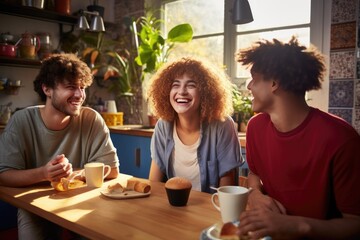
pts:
[144, 131]
[134, 130]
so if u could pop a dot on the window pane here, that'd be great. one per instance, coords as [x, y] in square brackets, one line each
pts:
[205, 16]
[277, 13]
[210, 48]
[246, 40]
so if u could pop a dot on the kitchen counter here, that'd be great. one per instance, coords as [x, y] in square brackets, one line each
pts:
[145, 131]
[133, 130]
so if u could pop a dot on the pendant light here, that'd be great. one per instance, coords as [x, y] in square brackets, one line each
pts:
[241, 12]
[96, 25]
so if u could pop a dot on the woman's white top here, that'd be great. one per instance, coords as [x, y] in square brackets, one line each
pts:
[185, 161]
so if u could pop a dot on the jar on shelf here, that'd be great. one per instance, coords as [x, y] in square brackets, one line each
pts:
[29, 45]
[46, 45]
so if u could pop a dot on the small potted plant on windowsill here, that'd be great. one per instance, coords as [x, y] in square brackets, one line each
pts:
[242, 108]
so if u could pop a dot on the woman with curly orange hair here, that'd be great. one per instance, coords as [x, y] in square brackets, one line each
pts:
[195, 136]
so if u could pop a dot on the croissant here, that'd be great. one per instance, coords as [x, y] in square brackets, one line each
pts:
[66, 184]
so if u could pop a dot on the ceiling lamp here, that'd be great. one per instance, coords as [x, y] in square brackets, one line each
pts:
[97, 22]
[241, 12]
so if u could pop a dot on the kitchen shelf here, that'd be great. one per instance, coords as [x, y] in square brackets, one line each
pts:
[19, 62]
[36, 13]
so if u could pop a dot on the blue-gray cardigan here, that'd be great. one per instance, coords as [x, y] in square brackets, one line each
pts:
[218, 153]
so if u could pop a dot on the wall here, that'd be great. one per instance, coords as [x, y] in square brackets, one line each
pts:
[344, 84]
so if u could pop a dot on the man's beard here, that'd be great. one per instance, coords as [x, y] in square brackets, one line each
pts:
[64, 108]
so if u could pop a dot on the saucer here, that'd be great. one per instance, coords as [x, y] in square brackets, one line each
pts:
[213, 233]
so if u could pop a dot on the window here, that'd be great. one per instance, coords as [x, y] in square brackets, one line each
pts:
[279, 19]
[217, 39]
[207, 19]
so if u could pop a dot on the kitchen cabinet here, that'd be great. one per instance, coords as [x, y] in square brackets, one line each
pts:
[8, 221]
[133, 153]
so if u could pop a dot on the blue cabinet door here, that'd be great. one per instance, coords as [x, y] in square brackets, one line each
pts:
[133, 153]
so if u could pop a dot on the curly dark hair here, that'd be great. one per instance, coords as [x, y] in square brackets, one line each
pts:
[297, 68]
[59, 68]
[213, 84]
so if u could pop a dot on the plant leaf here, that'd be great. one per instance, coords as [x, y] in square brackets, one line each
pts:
[180, 33]
[94, 56]
[87, 51]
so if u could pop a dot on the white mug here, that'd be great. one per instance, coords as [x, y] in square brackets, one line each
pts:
[232, 201]
[111, 106]
[95, 173]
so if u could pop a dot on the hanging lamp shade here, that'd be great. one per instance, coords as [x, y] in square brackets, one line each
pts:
[82, 23]
[97, 24]
[241, 12]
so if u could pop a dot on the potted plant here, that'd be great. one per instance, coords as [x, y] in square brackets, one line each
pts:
[154, 47]
[113, 64]
[242, 105]
[114, 68]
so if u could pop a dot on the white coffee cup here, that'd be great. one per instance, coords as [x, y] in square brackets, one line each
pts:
[232, 201]
[111, 106]
[95, 173]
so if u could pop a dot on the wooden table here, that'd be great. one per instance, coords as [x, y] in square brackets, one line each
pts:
[88, 213]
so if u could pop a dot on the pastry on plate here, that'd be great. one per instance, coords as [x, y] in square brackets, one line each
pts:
[66, 184]
[116, 188]
[131, 184]
[142, 187]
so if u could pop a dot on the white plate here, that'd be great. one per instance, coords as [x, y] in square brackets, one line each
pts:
[124, 195]
[213, 232]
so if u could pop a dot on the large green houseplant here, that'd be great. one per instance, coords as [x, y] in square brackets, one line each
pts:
[154, 48]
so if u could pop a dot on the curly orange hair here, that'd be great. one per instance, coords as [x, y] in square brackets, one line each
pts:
[213, 84]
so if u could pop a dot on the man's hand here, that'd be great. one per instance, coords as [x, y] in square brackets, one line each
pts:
[259, 223]
[258, 200]
[57, 168]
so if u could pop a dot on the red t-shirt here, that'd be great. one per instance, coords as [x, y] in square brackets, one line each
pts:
[313, 170]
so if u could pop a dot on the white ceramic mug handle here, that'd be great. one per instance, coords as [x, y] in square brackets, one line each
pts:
[106, 172]
[213, 201]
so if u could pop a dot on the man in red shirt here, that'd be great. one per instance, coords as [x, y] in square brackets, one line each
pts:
[304, 163]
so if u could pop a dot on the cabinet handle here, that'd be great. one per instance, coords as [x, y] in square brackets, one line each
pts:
[137, 157]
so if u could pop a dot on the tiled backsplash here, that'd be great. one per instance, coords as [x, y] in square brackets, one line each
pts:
[344, 90]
